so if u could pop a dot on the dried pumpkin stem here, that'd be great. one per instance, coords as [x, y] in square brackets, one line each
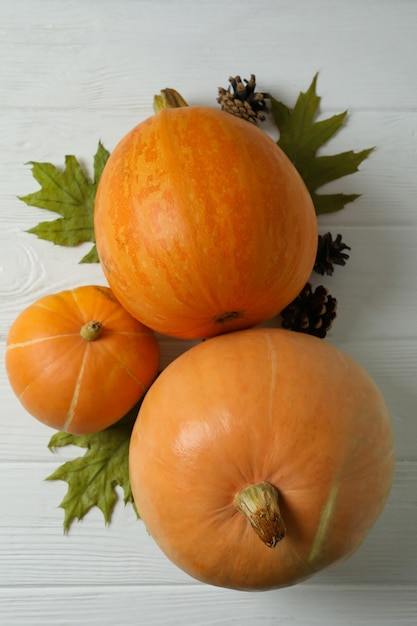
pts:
[168, 99]
[91, 331]
[259, 504]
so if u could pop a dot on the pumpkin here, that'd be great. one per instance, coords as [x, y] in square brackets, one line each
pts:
[202, 224]
[260, 457]
[78, 361]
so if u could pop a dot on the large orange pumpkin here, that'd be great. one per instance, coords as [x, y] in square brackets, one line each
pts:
[202, 224]
[78, 361]
[260, 457]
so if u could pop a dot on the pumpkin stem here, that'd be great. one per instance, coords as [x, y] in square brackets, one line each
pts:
[168, 99]
[227, 316]
[259, 504]
[91, 331]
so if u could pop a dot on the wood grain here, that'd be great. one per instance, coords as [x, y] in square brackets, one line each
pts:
[309, 605]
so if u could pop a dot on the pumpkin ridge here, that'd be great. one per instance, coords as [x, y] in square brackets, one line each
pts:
[31, 342]
[325, 520]
[308, 568]
[75, 395]
[370, 469]
[83, 314]
[65, 314]
[132, 376]
[272, 353]
[61, 357]
[102, 301]
[106, 348]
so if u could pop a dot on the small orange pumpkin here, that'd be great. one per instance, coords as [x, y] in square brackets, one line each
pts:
[260, 457]
[78, 361]
[202, 224]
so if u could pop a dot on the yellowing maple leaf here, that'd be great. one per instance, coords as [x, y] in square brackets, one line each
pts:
[301, 137]
[92, 478]
[70, 193]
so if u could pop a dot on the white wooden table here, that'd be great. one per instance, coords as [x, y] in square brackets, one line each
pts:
[72, 73]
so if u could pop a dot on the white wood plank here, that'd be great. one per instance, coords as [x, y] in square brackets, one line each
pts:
[377, 289]
[308, 605]
[96, 54]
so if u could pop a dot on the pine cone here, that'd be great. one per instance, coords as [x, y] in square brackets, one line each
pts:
[243, 101]
[330, 253]
[311, 312]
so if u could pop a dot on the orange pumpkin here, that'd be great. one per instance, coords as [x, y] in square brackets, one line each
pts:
[78, 361]
[202, 224]
[260, 457]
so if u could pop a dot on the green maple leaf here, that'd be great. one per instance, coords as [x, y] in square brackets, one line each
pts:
[70, 193]
[92, 477]
[301, 137]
